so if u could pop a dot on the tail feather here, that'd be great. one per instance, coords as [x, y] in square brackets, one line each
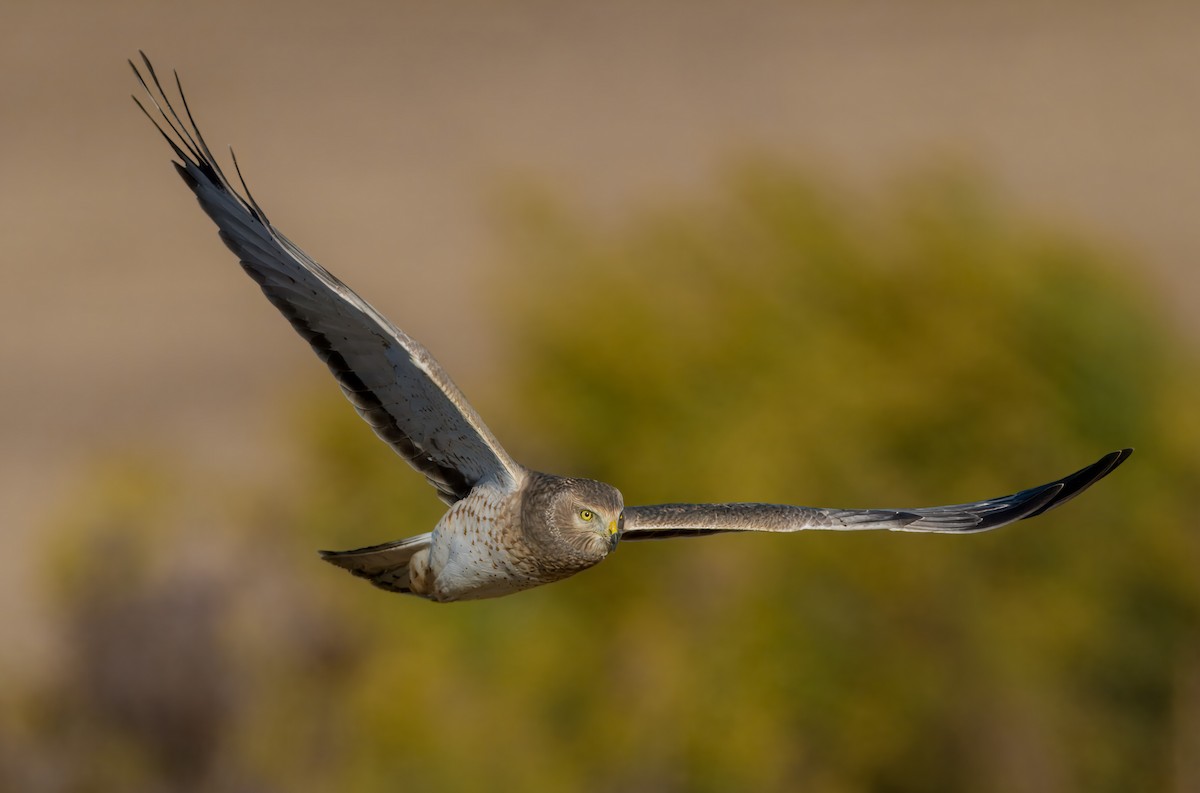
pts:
[387, 566]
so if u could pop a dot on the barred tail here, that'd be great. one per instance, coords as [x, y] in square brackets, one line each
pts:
[399, 566]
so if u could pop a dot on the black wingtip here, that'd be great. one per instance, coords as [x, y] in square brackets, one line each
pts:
[184, 136]
[1034, 503]
[253, 205]
[187, 177]
[1081, 480]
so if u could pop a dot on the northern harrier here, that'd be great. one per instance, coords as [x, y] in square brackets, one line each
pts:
[508, 528]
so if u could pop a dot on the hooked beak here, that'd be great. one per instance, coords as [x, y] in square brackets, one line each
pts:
[614, 532]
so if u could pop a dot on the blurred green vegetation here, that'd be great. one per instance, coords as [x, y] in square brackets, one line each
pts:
[783, 342]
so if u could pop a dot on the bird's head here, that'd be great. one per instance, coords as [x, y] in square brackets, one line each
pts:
[586, 515]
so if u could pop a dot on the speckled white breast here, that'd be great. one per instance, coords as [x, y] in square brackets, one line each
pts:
[478, 550]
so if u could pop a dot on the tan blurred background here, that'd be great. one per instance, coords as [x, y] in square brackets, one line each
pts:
[378, 135]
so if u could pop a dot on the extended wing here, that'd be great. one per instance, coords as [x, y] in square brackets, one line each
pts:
[393, 382]
[660, 521]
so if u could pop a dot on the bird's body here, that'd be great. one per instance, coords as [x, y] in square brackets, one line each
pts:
[507, 528]
[477, 550]
[491, 543]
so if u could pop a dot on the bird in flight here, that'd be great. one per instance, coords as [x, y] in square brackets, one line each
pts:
[508, 528]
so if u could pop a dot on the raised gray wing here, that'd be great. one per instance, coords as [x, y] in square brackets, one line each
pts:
[392, 381]
[661, 521]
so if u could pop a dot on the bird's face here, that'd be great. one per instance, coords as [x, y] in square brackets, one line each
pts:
[591, 517]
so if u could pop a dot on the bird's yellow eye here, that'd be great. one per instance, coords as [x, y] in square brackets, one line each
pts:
[586, 514]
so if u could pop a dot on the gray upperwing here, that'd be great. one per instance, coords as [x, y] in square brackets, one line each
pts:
[392, 380]
[661, 521]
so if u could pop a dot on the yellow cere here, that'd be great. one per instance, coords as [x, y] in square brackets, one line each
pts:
[612, 527]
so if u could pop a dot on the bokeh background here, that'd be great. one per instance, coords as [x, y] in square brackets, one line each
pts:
[866, 253]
